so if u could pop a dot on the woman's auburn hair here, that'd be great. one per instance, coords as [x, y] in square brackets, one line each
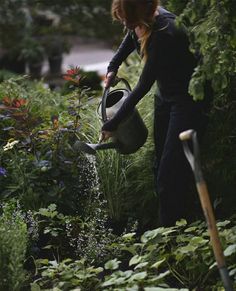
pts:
[136, 12]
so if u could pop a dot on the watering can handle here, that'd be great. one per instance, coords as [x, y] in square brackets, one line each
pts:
[106, 92]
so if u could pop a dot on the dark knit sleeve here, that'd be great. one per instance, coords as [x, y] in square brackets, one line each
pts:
[126, 47]
[148, 76]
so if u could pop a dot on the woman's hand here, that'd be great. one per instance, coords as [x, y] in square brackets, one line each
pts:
[105, 135]
[109, 79]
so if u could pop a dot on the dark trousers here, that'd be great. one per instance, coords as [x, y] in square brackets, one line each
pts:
[173, 175]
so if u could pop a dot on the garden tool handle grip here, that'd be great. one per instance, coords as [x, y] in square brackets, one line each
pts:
[194, 155]
[186, 135]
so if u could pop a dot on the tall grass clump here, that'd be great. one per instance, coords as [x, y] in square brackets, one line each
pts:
[13, 245]
[126, 180]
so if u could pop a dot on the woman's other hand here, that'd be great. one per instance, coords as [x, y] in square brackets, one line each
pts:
[105, 135]
[109, 79]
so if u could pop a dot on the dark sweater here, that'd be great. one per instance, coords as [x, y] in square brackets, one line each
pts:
[169, 62]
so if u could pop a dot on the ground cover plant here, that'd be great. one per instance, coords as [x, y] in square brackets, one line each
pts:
[178, 256]
[69, 221]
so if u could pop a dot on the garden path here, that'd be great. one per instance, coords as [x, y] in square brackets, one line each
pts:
[89, 55]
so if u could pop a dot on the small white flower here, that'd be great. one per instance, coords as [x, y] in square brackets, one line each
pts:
[10, 144]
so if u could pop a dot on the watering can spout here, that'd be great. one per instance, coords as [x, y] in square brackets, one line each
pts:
[91, 148]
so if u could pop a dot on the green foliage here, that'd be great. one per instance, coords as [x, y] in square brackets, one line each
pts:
[44, 166]
[212, 30]
[164, 258]
[67, 275]
[13, 18]
[76, 237]
[32, 51]
[218, 156]
[94, 17]
[13, 245]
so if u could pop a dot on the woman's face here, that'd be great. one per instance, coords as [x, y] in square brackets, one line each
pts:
[127, 24]
[130, 26]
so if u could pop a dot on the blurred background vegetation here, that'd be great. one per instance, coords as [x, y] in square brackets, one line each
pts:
[32, 31]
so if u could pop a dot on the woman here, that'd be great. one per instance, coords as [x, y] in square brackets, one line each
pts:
[164, 48]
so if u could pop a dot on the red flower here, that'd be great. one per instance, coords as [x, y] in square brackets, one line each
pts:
[68, 78]
[72, 75]
[18, 102]
[14, 103]
[73, 71]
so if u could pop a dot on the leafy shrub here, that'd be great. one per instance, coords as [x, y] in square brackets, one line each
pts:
[211, 28]
[13, 245]
[65, 236]
[38, 132]
[174, 257]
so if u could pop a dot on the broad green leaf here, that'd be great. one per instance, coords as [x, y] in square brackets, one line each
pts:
[181, 222]
[190, 229]
[112, 264]
[129, 236]
[223, 223]
[151, 234]
[110, 282]
[133, 288]
[141, 265]
[198, 240]
[230, 250]
[34, 287]
[42, 261]
[158, 263]
[162, 275]
[169, 231]
[135, 260]
[187, 249]
[139, 276]
[232, 272]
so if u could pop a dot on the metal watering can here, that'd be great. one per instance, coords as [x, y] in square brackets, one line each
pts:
[131, 133]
